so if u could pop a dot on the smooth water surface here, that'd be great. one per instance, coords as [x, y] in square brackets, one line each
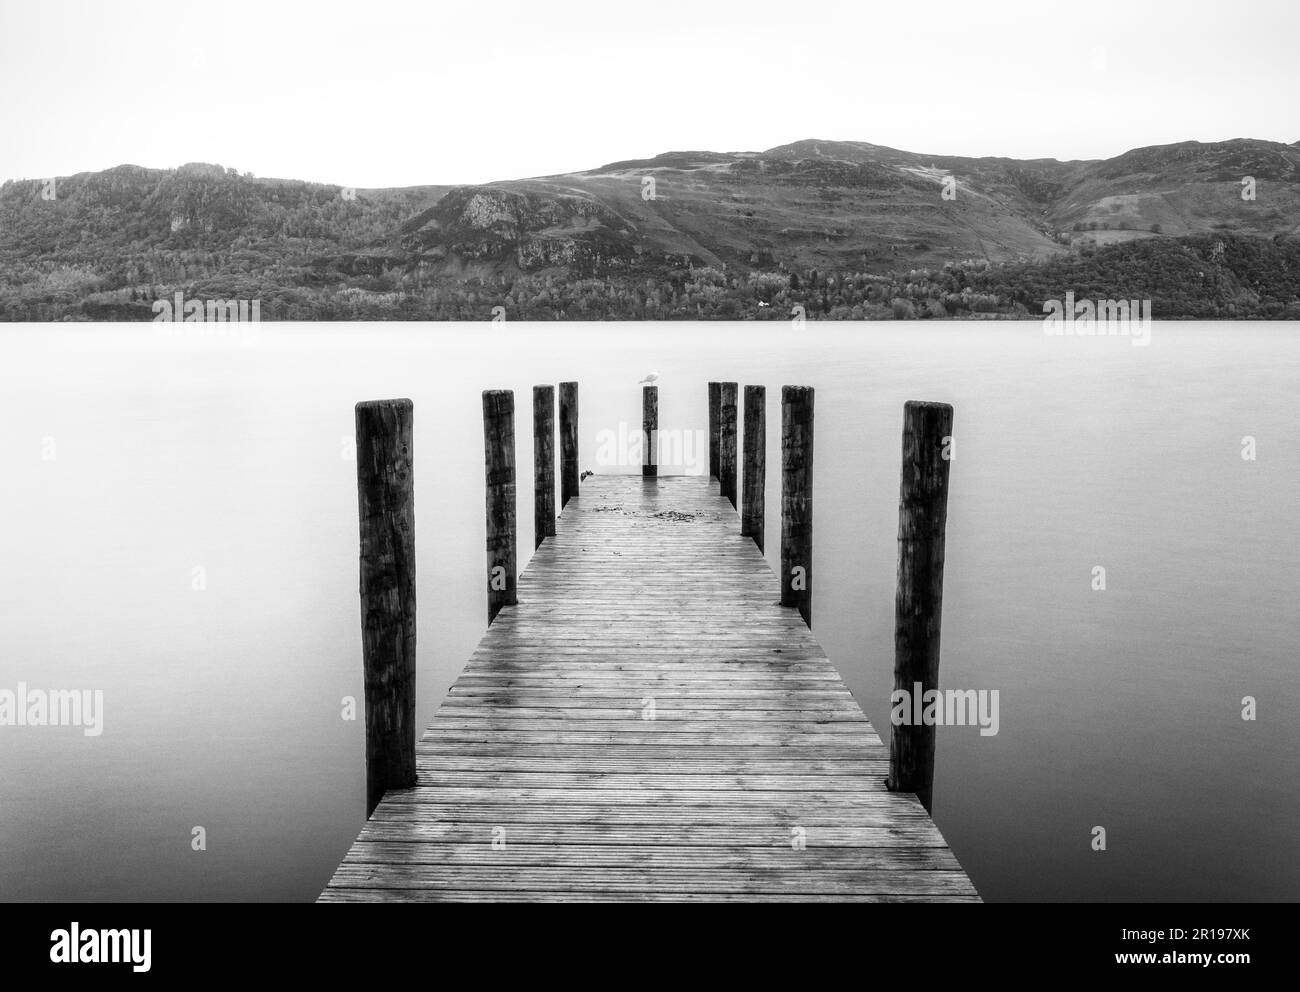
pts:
[179, 530]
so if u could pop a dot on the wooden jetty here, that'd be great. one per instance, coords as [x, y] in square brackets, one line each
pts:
[644, 721]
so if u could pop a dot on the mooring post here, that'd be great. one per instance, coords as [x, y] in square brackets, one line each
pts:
[568, 442]
[796, 498]
[727, 441]
[386, 511]
[715, 402]
[499, 460]
[650, 430]
[543, 464]
[754, 477]
[922, 518]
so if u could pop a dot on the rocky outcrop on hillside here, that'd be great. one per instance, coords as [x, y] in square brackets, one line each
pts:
[524, 229]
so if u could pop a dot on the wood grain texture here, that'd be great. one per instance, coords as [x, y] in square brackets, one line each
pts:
[649, 725]
[727, 441]
[569, 471]
[797, 499]
[386, 513]
[543, 463]
[650, 430]
[754, 469]
[918, 605]
[499, 477]
[715, 402]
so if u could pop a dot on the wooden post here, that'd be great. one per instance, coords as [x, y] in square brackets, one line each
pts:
[499, 459]
[386, 511]
[543, 464]
[922, 517]
[796, 498]
[727, 441]
[715, 403]
[650, 430]
[754, 478]
[568, 442]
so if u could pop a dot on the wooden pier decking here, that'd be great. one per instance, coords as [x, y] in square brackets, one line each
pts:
[649, 724]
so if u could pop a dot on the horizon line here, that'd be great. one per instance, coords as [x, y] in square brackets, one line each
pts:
[681, 151]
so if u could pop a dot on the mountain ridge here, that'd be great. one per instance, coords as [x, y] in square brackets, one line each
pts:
[849, 208]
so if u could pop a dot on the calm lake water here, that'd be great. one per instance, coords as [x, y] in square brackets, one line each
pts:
[180, 531]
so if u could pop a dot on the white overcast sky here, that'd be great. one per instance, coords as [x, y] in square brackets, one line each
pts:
[390, 92]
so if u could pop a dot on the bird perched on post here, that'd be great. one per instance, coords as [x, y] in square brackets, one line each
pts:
[650, 379]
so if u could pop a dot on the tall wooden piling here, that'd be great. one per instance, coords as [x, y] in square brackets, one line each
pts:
[922, 518]
[715, 402]
[543, 464]
[568, 442]
[727, 440]
[650, 430]
[499, 462]
[386, 512]
[754, 474]
[796, 498]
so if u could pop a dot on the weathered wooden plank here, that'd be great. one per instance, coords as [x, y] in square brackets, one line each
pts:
[653, 782]
[877, 798]
[496, 847]
[517, 833]
[360, 894]
[583, 694]
[509, 878]
[652, 710]
[456, 759]
[829, 737]
[448, 751]
[783, 815]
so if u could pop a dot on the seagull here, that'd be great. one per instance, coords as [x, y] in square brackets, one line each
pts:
[649, 379]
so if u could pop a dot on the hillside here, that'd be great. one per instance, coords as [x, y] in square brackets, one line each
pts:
[845, 229]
